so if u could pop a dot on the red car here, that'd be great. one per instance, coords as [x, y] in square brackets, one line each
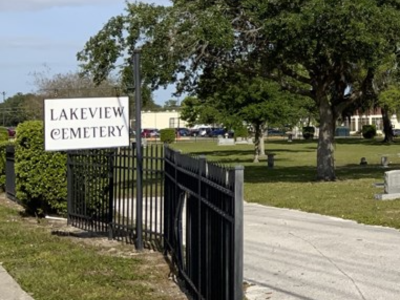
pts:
[150, 132]
[11, 131]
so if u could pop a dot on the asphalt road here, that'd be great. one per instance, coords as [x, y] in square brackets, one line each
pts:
[295, 255]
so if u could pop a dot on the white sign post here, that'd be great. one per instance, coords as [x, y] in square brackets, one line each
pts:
[86, 123]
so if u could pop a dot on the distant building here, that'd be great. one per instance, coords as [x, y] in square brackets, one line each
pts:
[373, 117]
[162, 119]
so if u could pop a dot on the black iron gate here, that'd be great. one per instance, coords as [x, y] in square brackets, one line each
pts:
[102, 193]
[204, 225]
[187, 206]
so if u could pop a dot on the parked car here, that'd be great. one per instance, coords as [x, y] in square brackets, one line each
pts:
[11, 131]
[201, 131]
[275, 132]
[216, 132]
[150, 132]
[182, 131]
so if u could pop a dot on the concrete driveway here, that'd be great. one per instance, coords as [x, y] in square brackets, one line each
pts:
[295, 255]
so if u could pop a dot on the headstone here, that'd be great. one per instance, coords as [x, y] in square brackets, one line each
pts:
[244, 141]
[392, 182]
[226, 142]
[363, 161]
[384, 161]
[391, 186]
[271, 160]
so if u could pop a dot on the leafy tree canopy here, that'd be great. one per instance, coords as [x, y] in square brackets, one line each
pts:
[310, 47]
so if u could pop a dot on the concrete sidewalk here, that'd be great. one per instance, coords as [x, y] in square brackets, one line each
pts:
[9, 289]
[296, 255]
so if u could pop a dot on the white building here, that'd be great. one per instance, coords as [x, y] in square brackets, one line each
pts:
[162, 119]
[370, 118]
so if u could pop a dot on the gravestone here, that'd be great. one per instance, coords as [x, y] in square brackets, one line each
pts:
[392, 182]
[384, 161]
[244, 141]
[271, 160]
[391, 186]
[226, 142]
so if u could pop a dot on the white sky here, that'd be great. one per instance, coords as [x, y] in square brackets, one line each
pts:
[39, 34]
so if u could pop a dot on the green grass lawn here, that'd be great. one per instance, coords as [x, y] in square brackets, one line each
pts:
[51, 267]
[291, 183]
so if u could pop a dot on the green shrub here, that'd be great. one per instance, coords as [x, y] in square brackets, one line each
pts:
[368, 131]
[3, 134]
[241, 131]
[3, 146]
[41, 180]
[90, 178]
[308, 132]
[167, 135]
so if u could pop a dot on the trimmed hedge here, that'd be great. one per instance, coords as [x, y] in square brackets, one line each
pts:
[167, 135]
[368, 131]
[3, 134]
[3, 146]
[41, 177]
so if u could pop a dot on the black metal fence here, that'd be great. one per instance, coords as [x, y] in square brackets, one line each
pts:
[10, 173]
[191, 208]
[102, 192]
[204, 225]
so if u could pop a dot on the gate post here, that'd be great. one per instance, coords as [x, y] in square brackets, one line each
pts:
[238, 234]
[139, 156]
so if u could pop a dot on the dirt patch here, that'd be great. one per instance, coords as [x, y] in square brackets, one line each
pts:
[154, 262]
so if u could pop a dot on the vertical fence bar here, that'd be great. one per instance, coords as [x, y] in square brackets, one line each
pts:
[111, 194]
[202, 226]
[238, 234]
[70, 188]
[139, 156]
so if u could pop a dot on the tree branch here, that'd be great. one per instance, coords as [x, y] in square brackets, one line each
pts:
[293, 74]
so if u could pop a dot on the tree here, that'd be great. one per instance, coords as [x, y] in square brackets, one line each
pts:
[76, 85]
[190, 110]
[171, 104]
[312, 48]
[194, 111]
[389, 100]
[19, 108]
[254, 101]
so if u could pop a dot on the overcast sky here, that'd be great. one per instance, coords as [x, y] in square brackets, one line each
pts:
[37, 35]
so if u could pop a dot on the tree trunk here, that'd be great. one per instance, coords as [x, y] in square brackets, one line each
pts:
[387, 126]
[257, 135]
[262, 145]
[325, 151]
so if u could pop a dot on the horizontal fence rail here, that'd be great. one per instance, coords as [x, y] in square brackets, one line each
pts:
[204, 225]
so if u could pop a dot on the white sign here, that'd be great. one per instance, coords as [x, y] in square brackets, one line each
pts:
[85, 123]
